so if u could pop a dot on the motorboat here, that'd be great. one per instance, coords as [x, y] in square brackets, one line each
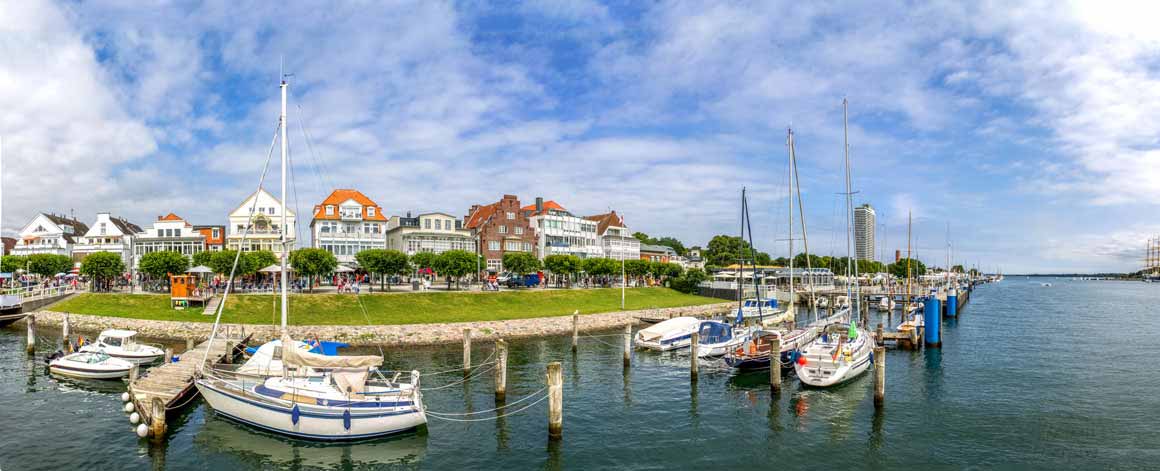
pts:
[885, 304]
[715, 338]
[822, 302]
[914, 320]
[668, 335]
[1045, 285]
[122, 344]
[89, 365]
[839, 355]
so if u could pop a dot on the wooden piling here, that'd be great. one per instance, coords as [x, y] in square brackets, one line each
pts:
[188, 344]
[31, 321]
[627, 345]
[879, 376]
[134, 372]
[555, 401]
[466, 351]
[878, 335]
[169, 355]
[157, 420]
[775, 365]
[575, 330]
[501, 354]
[64, 333]
[695, 339]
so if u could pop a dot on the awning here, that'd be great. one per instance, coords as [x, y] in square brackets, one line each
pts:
[275, 269]
[343, 269]
[200, 269]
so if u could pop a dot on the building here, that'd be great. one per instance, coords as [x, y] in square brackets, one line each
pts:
[346, 223]
[657, 253]
[616, 241]
[215, 237]
[428, 232]
[694, 259]
[171, 233]
[107, 234]
[264, 225]
[559, 232]
[51, 234]
[864, 224]
[499, 228]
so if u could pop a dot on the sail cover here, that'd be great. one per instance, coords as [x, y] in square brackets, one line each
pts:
[297, 357]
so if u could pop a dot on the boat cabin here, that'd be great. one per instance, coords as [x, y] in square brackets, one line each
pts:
[714, 332]
[118, 338]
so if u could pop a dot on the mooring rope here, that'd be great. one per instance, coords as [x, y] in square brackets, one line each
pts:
[474, 374]
[461, 414]
[486, 361]
[451, 419]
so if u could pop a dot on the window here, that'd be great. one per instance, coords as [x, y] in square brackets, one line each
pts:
[493, 245]
[102, 228]
[503, 229]
[216, 234]
[527, 247]
[511, 215]
[438, 224]
[519, 230]
[371, 211]
[426, 223]
[330, 210]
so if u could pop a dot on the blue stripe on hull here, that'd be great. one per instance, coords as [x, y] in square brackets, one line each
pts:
[304, 413]
[329, 438]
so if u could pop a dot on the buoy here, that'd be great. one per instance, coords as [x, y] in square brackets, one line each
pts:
[125, 397]
[129, 407]
[142, 430]
[134, 418]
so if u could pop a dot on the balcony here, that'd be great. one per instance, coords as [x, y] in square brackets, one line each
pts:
[351, 235]
[350, 215]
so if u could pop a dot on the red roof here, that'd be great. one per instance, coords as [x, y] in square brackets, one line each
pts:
[337, 197]
[480, 215]
[550, 204]
[605, 220]
[170, 217]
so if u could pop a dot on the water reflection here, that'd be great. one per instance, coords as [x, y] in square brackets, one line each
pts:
[259, 449]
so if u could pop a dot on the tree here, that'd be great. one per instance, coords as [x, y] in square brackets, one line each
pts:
[11, 263]
[642, 237]
[599, 267]
[46, 265]
[203, 258]
[637, 268]
[957, 269]
[386, 263]
[723, 251]
[310, 262]
[258, 260]
[690, 281]
[423, 260]
[456, 264]
[520, 263]
[898, 269]
[102, 268]
[672, 243]
[222, 262]
[563, 265]
[158, 265]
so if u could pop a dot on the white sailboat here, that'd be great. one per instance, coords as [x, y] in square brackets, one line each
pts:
[838, 356]
[314, 397]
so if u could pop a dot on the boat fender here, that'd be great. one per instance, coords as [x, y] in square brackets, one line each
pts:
[125, 397]
[295, 414]
[871, 357]
[346, 419]
[142, 430]
[134, 418]
[129, 407]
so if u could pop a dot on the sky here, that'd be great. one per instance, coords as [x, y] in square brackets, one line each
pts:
[1021, 134]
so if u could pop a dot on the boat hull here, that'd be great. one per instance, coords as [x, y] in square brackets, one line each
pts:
[87, 373]
[134, 358]
[7, 316]
[319, 423]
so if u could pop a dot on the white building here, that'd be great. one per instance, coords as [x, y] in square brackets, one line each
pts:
[51, 234]
[169, 233]
[428, 232]
[262, 212]
[559, 232]
[108, 234]
[616, 241]
[864, 224]
[346, 223]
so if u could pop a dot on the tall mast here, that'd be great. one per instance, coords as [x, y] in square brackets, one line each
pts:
[2, 196]
[852, 267]
[908, 220]
[285, 245]
[789, 198]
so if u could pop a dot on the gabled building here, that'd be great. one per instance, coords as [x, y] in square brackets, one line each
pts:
[499, 228]
[169, 233]
[616, 241]
[346, 223]
[560, 232]
[108, 234]
[51, 234]
[215, 237]
[657, 253]
[428, 232]
[265, 225]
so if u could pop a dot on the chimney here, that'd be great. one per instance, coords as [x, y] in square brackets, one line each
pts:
[539, 204]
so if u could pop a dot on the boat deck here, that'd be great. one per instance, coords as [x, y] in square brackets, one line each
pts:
[173, 382]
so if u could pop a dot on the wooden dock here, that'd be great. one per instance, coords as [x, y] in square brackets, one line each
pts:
[166, 388]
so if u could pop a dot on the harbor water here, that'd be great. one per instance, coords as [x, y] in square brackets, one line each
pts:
[1028, 377]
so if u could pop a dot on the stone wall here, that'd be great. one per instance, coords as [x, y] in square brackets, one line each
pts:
[412, 334]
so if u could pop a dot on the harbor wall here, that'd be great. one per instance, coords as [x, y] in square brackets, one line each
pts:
[410, 334]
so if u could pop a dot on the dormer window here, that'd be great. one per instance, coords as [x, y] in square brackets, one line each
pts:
[329, 210]
[371, 211]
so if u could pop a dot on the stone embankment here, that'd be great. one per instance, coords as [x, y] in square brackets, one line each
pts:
[411, 334]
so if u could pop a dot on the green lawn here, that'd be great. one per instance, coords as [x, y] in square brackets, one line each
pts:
[387, 309]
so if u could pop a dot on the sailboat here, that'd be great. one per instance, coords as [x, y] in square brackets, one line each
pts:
[912, 319]
[313, 396]
[840, 353]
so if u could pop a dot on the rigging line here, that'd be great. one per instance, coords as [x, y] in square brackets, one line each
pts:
[238, 255]
[486, 361]
[461, 414]
[474, 374]
[318, 163]
[496, 417]
[367, 316]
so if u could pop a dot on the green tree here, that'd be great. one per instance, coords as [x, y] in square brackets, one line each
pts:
[11, 263]
[598, 267]
[957, 269]
[47, 265]
[258, 260]
[520, 263]
[690, 281]
[642, 237]
[637, 268]
[102, 268]
[424, 260]
[310, 262]
[724, 250]
[385, 263]
[203, 258]
[674, 244]
[158, 265]
[898, 269]
[222, 262]
[456, 264]
[562, 265]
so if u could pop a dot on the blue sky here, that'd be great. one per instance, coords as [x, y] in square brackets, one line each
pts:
[1027, 127]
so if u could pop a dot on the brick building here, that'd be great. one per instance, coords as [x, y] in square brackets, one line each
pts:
[499, 228]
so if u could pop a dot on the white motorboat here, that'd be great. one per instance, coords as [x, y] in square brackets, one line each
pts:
[885, 303]
[89, 365]
[840, 355]
[715, 338]
[122, 344]
[668, 335]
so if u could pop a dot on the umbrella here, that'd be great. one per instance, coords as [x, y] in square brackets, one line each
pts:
[200, 269]
[275, 269]
[343, 269]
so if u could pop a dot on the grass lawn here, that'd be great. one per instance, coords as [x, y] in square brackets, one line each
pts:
[387, 309]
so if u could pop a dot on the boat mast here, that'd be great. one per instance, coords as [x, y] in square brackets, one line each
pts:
[285, 246]
[789, 198]
[851, 267]
[908, 220]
